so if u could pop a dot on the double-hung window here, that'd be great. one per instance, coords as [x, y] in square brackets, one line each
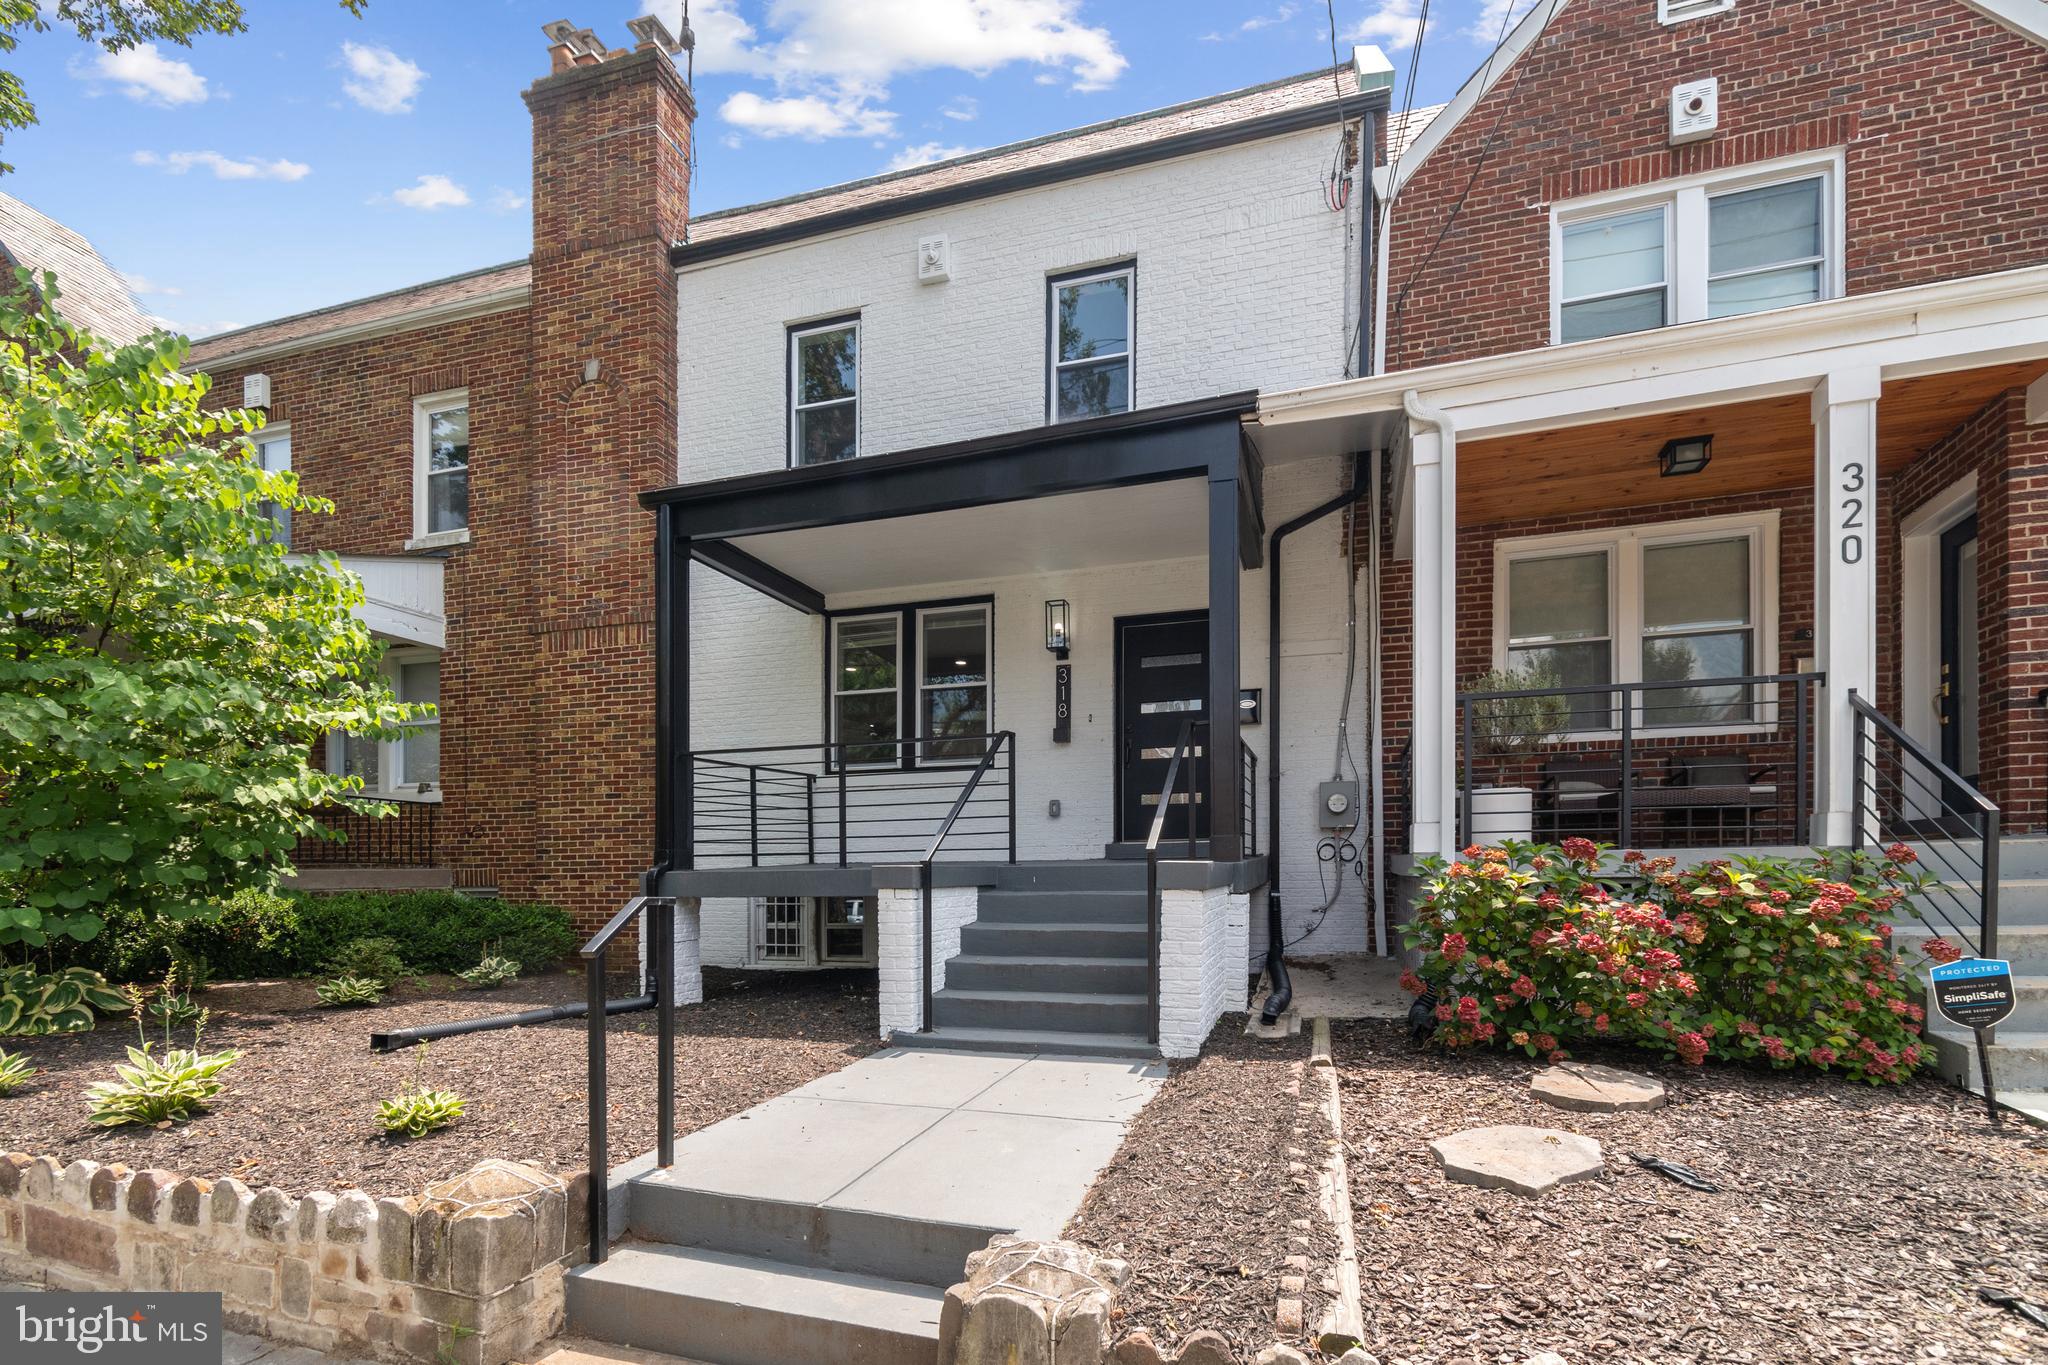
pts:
[440, 477]
[274, 454]
[824, 392]
[1711, 247]
[912, 673]
[1676, 604]
[1090, 329]
[410, 765]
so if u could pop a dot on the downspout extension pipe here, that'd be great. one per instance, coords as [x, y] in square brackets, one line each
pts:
[1281, 992]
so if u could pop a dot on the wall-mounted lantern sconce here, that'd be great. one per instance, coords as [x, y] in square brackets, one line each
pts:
[1058, 629]
[1686, 455]
[1248, 701]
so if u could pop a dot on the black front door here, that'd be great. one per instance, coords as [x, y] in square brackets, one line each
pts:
[1162, 682]
[1957, 696]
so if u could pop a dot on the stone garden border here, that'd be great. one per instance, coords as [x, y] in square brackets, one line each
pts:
[468, 1271]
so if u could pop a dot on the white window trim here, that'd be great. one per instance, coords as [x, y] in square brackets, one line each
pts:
[1685, 201]
[423, 410]
[1680, 11]
[1052, 338]
[796, 336]
[391, 752]
[895, 620]
[1625, 546]
[987, 684]
[270, 434]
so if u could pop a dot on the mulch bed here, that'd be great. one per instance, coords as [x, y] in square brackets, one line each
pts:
[1856, 1224]
[300, 1107]
[1200, 1201]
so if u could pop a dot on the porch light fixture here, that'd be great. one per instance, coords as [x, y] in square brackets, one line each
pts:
[1686, 455]
[1058, 633]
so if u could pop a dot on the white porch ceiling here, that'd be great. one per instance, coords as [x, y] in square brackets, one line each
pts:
[997, 540]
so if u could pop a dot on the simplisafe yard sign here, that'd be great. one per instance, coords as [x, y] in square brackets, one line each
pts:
[1975, 992]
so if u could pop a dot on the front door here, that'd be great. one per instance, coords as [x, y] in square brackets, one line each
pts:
[1956, 696]
[1162, 682]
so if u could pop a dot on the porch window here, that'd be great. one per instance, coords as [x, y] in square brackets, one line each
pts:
[1090, 332]
[1710, 246]
[866, 700]
[953, 648]
[824, 394]
[440, 488]
[1652, 604]
[410, 766]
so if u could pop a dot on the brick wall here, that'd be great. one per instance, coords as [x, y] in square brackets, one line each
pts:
[1938, 109]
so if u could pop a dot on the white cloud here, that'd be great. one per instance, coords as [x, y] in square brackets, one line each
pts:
[1391, 24]
[924, 154]
[503, 200]
[1259, 21]
[224, 167]
[962, 109]
[143, 284]
[832, 62]
[380, 79]
[1494, 19]
[808, 116]
[144, 73]
[430, 192]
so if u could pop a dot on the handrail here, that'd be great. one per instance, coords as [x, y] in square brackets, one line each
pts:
[1951, 795]
[815, 745]
[1154, 907]
[659, 915]
[924, 867]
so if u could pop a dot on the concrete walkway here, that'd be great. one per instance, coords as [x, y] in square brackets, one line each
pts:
[982, 1139]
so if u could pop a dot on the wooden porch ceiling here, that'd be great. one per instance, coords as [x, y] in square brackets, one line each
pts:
[1759, 445]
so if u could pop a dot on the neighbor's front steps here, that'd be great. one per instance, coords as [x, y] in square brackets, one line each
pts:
[2019, 1046]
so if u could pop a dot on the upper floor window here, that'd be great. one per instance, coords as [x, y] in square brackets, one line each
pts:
[1707, 248]
[1092, 321]
[1678, 11]
[824, 392]
[440, 477]
[274, 453]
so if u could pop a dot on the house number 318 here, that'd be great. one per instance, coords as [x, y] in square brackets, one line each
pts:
[1852, 507]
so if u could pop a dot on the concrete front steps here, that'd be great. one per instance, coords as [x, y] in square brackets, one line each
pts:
[2019, 1046]
[1055, 961]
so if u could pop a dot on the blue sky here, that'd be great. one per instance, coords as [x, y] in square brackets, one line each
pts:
[317, 157]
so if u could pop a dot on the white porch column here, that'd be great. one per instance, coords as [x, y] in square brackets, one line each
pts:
[1844, 584]
[1433, 610]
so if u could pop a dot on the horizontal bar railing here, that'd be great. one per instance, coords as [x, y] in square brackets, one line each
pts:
[1906, 794]
[1184, 750]
[853, 801]
[401, 837]
[1706, 762]
[1248, 800]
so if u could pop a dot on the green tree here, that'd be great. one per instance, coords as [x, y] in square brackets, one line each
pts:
[165, 664]
[115, 25]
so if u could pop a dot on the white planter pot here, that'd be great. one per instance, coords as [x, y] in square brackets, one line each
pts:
[1502, 813]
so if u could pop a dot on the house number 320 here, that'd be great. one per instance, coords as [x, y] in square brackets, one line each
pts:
[1852, 508]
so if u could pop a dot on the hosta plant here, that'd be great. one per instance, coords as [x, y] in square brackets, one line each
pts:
[493, 971]
[344, 991]
[419, 1111]
[35, 1003]
[14, 1072]
[157, 1091]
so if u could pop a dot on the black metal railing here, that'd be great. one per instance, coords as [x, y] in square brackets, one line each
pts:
[1183, 749]
[1703, 763]
[402, 835]
[1248, 800]
[1002, 740]
[858, 801]
[1905, 794]
[657, 930]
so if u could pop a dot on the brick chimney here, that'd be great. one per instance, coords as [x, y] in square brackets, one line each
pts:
[611, 175]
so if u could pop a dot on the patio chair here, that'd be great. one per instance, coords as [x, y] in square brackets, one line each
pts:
[1717, 793]
[1580, 795]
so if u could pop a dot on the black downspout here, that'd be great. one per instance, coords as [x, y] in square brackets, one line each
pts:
[1281, 994]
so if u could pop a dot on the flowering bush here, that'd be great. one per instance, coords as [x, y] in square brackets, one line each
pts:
[1784, 960]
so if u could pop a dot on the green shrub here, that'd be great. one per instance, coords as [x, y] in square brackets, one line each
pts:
[247, 937]
[158, 1091]
[492, 972]
[1780, 960]
[376, 959]
[347, 991]
[34, 1003]
[14, 1072]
